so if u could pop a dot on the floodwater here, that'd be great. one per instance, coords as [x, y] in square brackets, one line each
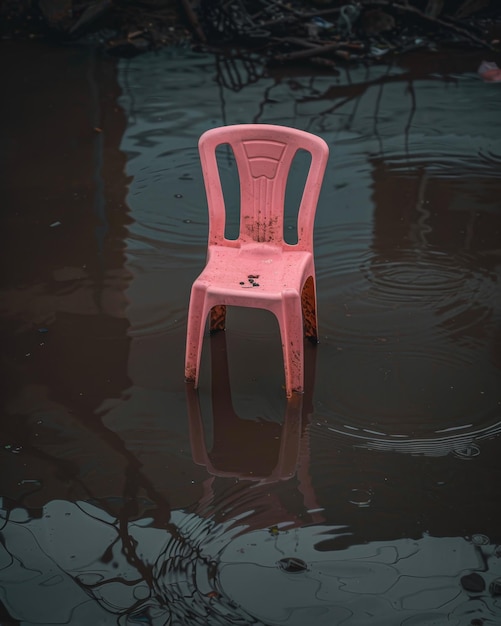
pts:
[129, 498]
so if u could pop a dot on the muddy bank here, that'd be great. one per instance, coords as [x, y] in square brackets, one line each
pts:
[320, 32]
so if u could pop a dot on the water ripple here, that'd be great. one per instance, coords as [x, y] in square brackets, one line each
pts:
[366, 295]
[452, 286]
[462, 445]
[452, 165]
[491, 158]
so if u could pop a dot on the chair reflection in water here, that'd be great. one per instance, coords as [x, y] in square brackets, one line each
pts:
[259, 269]
[258, 451]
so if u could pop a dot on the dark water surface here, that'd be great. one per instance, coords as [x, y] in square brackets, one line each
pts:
[128, 498]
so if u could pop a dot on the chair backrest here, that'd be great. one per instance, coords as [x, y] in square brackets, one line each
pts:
[264, 154]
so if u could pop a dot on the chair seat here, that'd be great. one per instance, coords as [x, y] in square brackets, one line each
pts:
[246, 274]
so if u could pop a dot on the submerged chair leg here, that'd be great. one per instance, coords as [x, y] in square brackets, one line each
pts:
[291, 330]
[197, 315]
[309, 308]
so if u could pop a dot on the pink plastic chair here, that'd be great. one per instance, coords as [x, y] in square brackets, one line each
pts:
[259, 269]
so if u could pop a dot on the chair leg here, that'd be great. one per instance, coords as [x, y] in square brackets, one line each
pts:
[309, 308]
[291, 330]
[197, 315]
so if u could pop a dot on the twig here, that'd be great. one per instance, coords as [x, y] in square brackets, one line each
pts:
[298, 16]
[322, 61]
[308, 52]
[285, 7]
[90, 14]
[193, 19]
[286, 19]
[407, 8]
[297, 41]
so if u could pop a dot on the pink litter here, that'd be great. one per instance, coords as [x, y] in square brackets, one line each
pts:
[489, 72]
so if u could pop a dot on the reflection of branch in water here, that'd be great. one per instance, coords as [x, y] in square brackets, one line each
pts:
[352, 115]
[102, 224]
[470, 229]
[63, 467]
[379, 97]
[230, 76]
[220, 85]
[130, 511]
[420, 227]
[339, 105]
[244, 583]
[183, 541]
[134, 480]
[264, 101]
[134, 476]
[359, 89]
[410, 90]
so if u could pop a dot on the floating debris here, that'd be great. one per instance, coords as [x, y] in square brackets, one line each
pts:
[489, 72]
[276, 30]
[292, 565]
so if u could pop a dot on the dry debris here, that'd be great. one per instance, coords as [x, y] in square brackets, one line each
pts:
[320, 31]
[325, 32]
